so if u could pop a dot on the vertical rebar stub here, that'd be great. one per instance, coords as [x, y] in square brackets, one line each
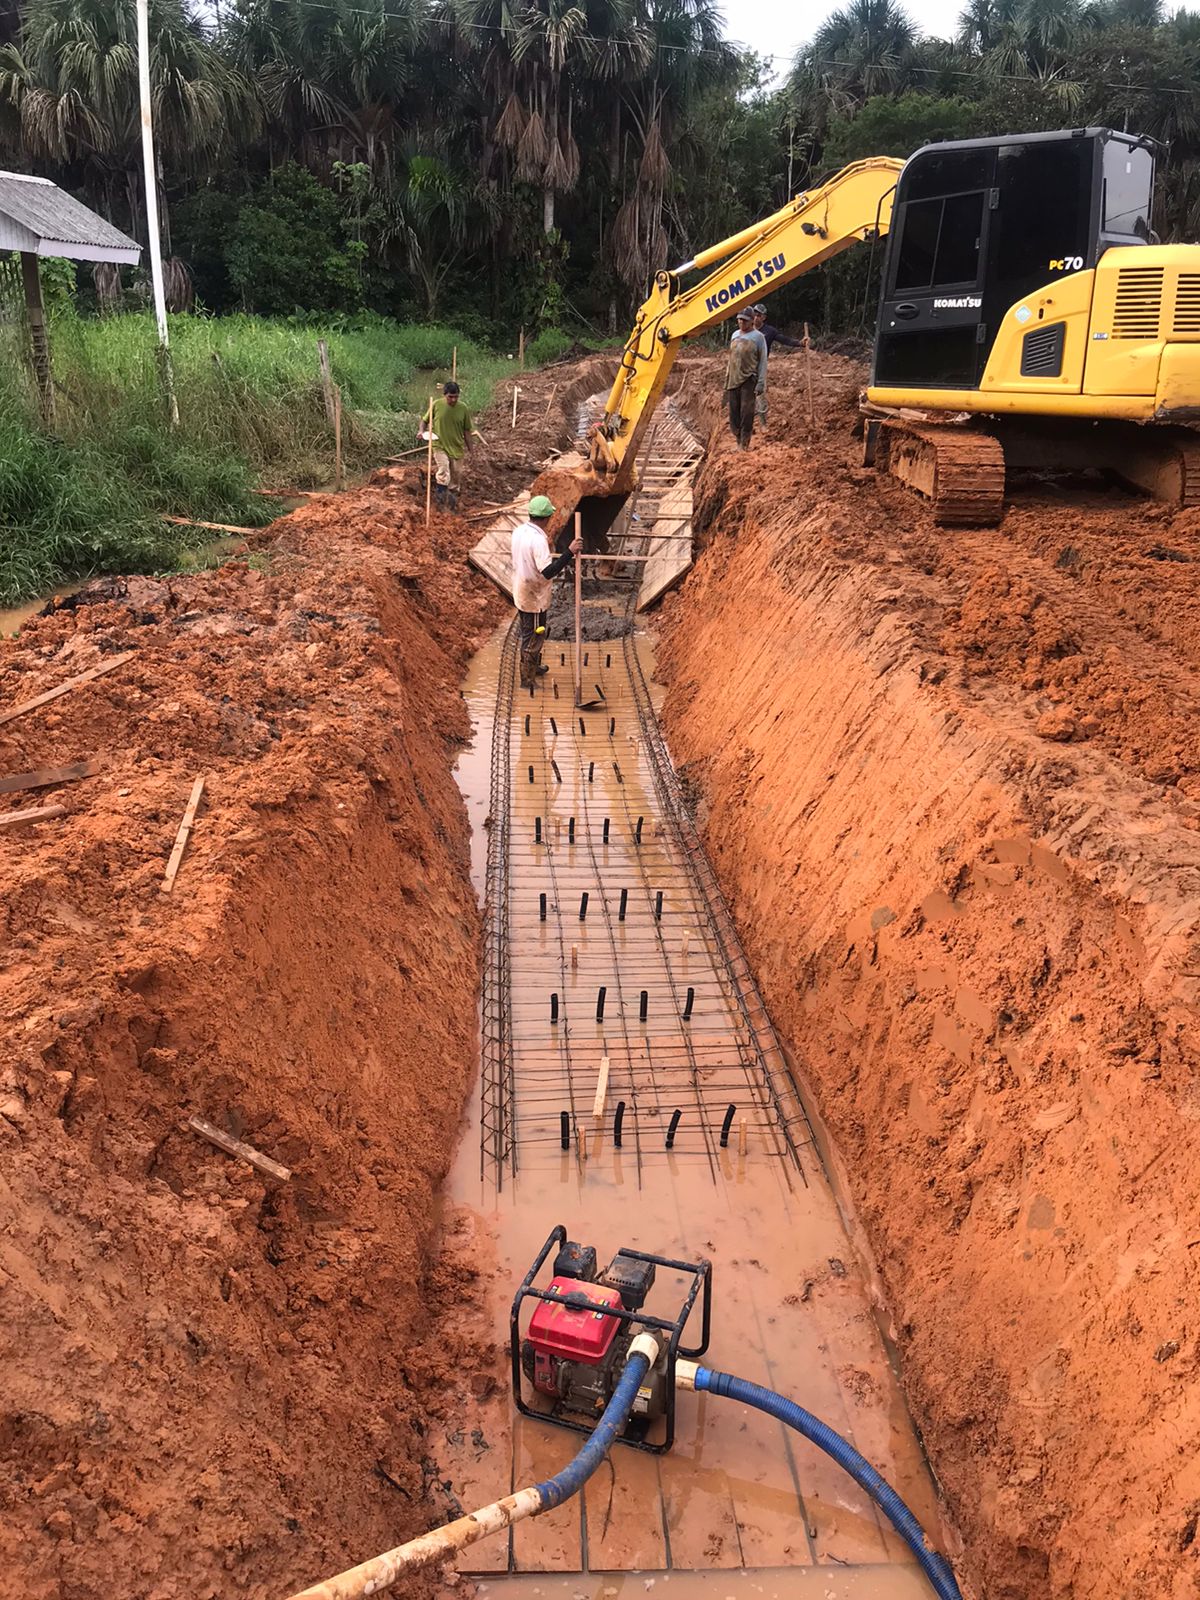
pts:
[600, 994]
[553, 1008]
[618, 1123]
[570, 830]
[658, 899]
[643, 1004]
[537, 830]
[541, 908]
[726, 1125]
[606, 830]
[624, 905]
[637, 832]
[675, 1116]
[688, 1003]
[612, 726]
[564, 1131]
[591, 771]
[583, 900]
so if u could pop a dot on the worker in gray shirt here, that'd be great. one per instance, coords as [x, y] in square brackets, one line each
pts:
[745, 377]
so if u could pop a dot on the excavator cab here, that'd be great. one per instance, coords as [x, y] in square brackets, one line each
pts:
[979, 225]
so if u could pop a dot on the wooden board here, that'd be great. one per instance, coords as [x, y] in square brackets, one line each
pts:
[65, 688]
[672, 558]
[44, 777]
[181, 837]
[493, 554]
[17, 819]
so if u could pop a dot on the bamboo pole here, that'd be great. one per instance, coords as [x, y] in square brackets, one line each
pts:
[454, 363]
[154, 237]
[578, 613]
[326, 378]
[429, 462]
[338, 479]
[521, 350]
[516, 397]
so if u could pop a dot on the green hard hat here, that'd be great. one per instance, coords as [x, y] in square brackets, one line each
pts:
[541, 506]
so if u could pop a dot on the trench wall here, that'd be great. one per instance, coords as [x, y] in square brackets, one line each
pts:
[216, 1384]
[982, 951]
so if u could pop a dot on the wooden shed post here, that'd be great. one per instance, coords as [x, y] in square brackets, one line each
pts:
[35, 315]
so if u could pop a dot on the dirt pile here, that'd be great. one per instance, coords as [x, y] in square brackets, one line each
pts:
[949, 783]
[210, 1377]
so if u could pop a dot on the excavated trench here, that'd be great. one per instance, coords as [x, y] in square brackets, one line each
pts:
[950, 792]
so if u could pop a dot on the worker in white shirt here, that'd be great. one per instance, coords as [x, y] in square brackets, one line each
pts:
[535, 566]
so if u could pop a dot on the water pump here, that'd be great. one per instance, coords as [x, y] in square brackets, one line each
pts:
[575, 1345]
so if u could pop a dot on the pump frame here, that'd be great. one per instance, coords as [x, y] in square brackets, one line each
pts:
[701, 1285]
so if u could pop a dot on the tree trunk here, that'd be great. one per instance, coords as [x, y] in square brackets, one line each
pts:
[614, 143]
[547, 210]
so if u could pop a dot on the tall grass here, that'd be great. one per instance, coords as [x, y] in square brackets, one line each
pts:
[252, 415]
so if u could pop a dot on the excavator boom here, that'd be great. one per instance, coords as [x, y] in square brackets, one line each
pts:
[854, 205]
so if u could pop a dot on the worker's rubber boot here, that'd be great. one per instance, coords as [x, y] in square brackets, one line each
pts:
[439, 496]
[452, 498]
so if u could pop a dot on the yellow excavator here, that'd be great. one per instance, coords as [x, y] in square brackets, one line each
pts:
[1028, 318]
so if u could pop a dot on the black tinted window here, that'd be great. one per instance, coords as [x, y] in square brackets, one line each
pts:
[939, 243]
[1045, 207]
[943, 172]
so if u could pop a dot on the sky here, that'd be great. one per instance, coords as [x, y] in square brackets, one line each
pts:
[780, 27]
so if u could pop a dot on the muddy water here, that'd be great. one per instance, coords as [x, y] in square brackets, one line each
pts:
[791, 1302]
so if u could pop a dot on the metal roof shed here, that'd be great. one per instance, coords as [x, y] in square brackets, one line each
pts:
[38, 219]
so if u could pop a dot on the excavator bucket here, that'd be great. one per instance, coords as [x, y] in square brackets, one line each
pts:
[572, 485]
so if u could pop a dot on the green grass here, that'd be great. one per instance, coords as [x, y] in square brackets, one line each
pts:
[252, 414]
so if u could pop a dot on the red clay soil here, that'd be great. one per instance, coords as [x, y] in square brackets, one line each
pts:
[950, 782]
[213, 1381]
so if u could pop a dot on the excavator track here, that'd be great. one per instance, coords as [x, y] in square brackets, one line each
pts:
[1164, 461]
[959, 470]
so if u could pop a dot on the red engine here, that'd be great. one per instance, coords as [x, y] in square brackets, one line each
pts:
[575, 1352]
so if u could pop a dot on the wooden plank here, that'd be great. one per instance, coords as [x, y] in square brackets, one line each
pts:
[238, 1147]
[215, 527]
[601, 1089]
[625, 1514]
[45, 776]
[14, 819]
[181, 837]
[552, 1542]
[65, 688]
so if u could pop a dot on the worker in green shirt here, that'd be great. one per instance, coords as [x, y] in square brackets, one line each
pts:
[453, 426]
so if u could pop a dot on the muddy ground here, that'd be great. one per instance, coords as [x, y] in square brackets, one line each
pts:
[950, 782]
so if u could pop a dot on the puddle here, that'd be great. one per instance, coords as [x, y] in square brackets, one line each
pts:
[738, 1495]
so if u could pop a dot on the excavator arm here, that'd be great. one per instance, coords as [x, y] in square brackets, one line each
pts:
[854, 205]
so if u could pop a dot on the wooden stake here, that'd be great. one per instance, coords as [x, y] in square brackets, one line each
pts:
[429, 461]
[337, 437]
[521, 350]
[742, 1136]
[807, 343]
[326, 379]
[550, 402]
[574, 957]
[35, 318]
[516, 397]
[601, 1089]
[45, 776]
[181, 837]
[578, 615]
[237, 1147]
[454, 363]
[14, 819]
[65, 688]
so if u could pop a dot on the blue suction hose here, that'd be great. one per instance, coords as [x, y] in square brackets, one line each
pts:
[602, 1437]
[934, 1566]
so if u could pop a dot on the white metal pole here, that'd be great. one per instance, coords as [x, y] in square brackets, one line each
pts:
[150, 172]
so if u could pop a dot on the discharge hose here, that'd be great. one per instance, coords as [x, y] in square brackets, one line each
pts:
[934, 1566]
[381, 1571]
